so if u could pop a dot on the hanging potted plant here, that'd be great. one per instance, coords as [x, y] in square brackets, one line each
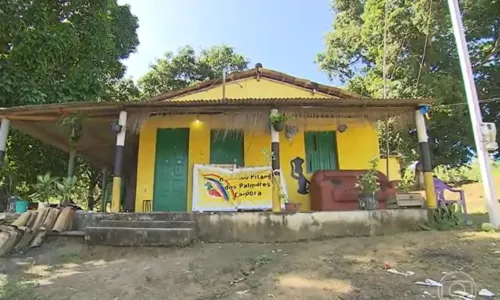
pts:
[278, 121]
[368, 184]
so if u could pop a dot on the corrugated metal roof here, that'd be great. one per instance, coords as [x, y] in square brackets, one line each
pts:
[333, 102]
[109, 107]
[65, 108]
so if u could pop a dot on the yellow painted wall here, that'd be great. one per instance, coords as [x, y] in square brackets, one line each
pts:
[199, 142]
[394, 167]
[251, 88]
[356, 147]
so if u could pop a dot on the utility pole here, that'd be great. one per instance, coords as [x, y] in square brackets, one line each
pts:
[475, 113]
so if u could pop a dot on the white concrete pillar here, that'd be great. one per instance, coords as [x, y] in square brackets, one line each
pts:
[4, 133]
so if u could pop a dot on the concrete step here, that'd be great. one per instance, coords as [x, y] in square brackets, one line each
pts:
[147, 224]
[122, 236]
[154, 216]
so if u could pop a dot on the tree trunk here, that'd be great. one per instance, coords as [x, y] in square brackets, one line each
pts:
[104, 184]
[71, 163]
[94, 179]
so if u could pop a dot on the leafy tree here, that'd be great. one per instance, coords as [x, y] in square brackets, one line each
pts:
[60, 51]
[421, 61]
[178, 71]
[122, 90]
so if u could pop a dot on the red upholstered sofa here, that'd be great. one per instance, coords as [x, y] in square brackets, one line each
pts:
[336, 190]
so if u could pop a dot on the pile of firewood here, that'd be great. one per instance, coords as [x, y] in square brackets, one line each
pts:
[31, 227]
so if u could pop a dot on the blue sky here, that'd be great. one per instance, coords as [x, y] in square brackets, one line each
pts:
[284, 35]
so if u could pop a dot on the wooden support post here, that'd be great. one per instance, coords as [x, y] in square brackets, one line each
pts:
[4, 133]
[425, 159]
[275, 164]
[104, 186]
[117, 174]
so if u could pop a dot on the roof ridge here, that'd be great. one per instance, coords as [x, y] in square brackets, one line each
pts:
[261, 73]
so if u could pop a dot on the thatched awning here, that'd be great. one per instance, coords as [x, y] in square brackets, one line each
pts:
[97, 143]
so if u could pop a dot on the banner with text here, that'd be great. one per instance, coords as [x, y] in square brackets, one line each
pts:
[221, 189]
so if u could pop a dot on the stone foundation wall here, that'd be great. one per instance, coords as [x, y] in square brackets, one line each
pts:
[281, 227]
[269, 227]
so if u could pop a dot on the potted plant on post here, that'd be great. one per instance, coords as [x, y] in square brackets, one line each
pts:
[278, 121]
[368, 184]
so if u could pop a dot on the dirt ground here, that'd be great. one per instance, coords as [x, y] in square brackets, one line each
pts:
[347, 268]
[344, 269]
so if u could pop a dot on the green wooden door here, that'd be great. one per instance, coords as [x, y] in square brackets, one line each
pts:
[226, 148]
[171, 170]
[321, 150]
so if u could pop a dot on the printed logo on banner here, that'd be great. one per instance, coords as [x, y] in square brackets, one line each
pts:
[217, 187]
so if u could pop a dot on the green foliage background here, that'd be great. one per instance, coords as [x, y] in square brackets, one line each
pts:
[63, 51]
[422, 61]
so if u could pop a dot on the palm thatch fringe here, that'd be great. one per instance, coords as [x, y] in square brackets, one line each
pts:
[234, 121]
[136, 119]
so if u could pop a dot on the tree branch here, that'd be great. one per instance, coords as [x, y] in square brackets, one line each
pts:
[496, 47]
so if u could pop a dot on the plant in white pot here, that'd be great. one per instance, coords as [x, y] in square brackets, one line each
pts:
[368, 184]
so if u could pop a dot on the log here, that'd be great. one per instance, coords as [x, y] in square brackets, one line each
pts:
[69, 220]
[39, 237]
[25, 240]
[32, 219]
[10, 241]
[4, 237]
[40, 218]
[22, 219]
[43, 205]
[62, 221]
[51, 218]
[20, 233]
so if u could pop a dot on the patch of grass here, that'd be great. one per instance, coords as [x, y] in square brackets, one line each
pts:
[67, 257]
[19, 290]
[447, 218]
[261, 260]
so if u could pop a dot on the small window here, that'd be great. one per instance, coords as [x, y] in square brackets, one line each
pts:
[321, 150]
[226, 147]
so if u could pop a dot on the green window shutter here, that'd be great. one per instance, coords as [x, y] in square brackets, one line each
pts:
[226, 148]
[321, 150]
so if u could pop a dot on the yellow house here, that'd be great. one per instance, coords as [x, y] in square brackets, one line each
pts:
[221, 122]
[195, 136]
